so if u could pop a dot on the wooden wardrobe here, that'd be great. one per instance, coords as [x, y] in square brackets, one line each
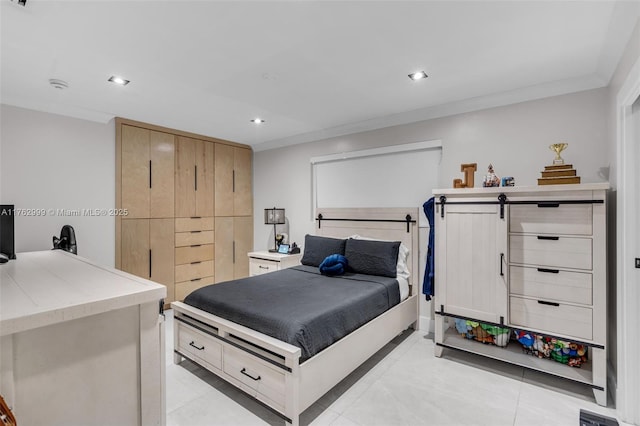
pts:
[189, 207]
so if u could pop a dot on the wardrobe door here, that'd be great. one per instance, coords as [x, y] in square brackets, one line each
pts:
[185, 178]
[224, 180]
[242, 196]
[162, 156]
[205, 163]
[162, 251]
[135, 171]
[243, 238]
[135, 247]
[224, 253]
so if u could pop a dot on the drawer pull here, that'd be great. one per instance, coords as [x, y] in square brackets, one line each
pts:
[544, 302]
[547, 205]
[263, 267]
[196, 279]
[198, 245]
[550, 271]
[244, 371]
[545, 237]
[197, 347]
[195, 263]
[195, 232]
[501, 261]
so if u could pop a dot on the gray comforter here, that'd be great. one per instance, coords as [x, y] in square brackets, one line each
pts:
[299, 305]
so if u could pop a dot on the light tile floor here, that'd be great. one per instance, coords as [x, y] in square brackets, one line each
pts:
[402, 384]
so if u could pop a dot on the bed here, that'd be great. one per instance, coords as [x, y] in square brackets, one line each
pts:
[288, 337]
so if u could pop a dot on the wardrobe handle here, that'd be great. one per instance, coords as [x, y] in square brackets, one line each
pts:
[547, 205]
[544, 302]
[550, 271]
[234, 251]
[233, 179]
[544, 237]
[501, 261]
[200, 348]
[150, 166]
[150, 256]
[195, 177]
[196, 279]
[244, 371]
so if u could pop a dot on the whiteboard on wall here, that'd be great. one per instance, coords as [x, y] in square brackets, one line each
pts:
[395, 176]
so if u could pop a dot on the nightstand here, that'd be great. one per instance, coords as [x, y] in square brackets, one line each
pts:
[261, 262]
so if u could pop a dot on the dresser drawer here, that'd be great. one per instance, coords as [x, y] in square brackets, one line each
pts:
[183, 288]
[567, 219]
[262, 266]
[193, 238]
[192, 254]
[189, 271]
[551, 284]
[186, 224]
[562, 252]
[261, 380]
[199, 345]
[551, 317]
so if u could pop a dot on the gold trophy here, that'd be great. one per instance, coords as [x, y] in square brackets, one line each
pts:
[558, 148]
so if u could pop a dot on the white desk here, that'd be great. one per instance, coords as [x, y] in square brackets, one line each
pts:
[80, 343]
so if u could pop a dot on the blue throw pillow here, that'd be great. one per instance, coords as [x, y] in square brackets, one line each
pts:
[335, 264]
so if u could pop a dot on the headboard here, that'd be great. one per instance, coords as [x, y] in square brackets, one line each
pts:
[394, 224]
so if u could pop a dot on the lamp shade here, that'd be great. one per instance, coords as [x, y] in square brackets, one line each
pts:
[274, 216]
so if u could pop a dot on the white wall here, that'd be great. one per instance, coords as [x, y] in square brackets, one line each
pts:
[514, 138]
[54, 162]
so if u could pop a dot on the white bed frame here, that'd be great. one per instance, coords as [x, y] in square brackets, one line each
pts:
[269, 369]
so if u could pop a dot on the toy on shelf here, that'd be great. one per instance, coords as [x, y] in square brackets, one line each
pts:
[485, 333]
[491, 179]
[570, 353]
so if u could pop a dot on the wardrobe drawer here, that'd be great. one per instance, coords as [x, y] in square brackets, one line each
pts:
[192, 254]
[549, 218]
[544, 250]
[183, 288]
[185, 224]
[193, 238]
[190, 271]
[551, 284]
[199, 345]
[551, 317]
[259, 379]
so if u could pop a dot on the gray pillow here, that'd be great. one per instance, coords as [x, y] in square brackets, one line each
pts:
[372, 257]
[316, 249]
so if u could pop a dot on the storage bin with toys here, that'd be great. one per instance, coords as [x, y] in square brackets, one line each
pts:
[565, 352]
[485, 333]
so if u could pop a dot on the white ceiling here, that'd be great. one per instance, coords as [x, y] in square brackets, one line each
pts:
[311, 69]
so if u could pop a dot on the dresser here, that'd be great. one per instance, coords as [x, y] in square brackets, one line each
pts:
[527, 258]
[262, 262]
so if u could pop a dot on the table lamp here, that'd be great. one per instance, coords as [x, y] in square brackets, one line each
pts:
[274, 217]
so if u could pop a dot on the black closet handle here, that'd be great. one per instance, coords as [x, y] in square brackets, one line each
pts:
[195, 177]
[551, 271]
[547, 205]
[150, 256]
[501, 261]
[544, 302]
[150, 166]
[196, 279]
[233, 180]
[244, 371]
[544, 237]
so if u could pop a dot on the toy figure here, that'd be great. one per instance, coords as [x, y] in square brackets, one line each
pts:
[491, 179]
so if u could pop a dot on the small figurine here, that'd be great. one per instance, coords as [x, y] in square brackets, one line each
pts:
[468, 170]
[491, 179]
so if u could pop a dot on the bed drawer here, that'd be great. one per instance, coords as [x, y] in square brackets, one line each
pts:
[193, 238]
[551, 284]
[182, 289]
[552, 317]
[562, 252]
[186, 224]
[189, 271]
[257, 378]
[198, 345]
[567, 219]
[192, 254]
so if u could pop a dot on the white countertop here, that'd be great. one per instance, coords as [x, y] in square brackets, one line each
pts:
[47, 287]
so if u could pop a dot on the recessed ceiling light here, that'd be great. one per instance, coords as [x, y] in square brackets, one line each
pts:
[257, 121]
[418, 75]
[118, 80]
